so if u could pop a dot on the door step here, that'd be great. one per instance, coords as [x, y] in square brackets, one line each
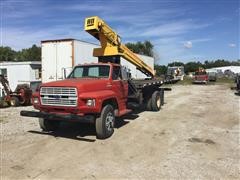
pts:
[125, 111]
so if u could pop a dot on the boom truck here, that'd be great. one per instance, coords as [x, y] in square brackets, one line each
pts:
[98, 92]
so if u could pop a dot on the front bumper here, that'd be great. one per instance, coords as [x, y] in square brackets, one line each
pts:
[59, 117]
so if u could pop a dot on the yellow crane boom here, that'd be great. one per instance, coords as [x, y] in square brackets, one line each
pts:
[111, 44]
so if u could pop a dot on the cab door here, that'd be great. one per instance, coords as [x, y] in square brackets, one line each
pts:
[119, 84]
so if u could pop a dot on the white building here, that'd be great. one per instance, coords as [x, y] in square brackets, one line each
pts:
[21, 73]
[234, 69]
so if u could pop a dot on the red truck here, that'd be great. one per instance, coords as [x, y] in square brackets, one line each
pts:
[94, 93]
[201, 76]
[98, 92]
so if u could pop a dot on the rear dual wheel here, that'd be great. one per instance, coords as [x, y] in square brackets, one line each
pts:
[154, 102]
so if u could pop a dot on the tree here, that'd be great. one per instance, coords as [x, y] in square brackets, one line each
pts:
[175, 63]
[30, 54]
[160, 69]
[192, 66]
[144, 48]
[7, 54]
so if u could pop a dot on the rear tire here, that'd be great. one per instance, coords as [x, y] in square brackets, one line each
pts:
[149, 104]
[156, 101]
[48, 125]
[105, 123]
[14, 101]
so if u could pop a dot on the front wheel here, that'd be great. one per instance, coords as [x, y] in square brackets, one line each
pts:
[48, 125]
[105, 123]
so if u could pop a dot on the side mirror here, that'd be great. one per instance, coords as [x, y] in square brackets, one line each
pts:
[66, 72]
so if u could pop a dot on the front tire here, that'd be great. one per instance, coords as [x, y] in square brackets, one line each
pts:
[48, 125]
[105, 123]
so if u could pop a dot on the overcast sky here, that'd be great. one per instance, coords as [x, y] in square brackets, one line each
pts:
[183, 30]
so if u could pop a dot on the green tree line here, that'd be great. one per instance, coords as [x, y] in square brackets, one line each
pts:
[192, 66]
[29, 54]
[144, 48]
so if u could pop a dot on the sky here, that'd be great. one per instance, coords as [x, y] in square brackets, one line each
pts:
[180, 30]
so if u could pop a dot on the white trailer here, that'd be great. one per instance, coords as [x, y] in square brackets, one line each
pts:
[28, 72]
[61, 55]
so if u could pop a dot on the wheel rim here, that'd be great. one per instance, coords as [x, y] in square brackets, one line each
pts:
[158, 102]
[109, 121]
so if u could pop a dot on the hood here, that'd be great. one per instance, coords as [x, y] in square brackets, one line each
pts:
[85, 84]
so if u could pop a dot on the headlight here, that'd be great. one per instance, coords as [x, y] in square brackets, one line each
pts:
[90, 102]
[35, 100]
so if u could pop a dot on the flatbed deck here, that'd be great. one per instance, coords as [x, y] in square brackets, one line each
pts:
[141, 83]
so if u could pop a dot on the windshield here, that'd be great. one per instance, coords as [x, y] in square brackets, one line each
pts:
[93, 71]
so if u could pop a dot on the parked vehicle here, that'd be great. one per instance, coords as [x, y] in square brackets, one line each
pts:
[175, 72]
[201, 76]
[98, 92]
[21, 96]
[212, 76]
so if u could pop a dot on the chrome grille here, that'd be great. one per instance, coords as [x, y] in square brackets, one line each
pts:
[59, 96]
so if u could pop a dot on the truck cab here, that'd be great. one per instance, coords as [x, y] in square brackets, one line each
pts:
[84, 93]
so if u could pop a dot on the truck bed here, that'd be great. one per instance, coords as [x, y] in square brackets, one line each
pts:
[141, 83]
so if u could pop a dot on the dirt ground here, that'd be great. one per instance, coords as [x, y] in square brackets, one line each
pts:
[195, 135]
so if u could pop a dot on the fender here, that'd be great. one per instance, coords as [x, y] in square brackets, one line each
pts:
[100, 96]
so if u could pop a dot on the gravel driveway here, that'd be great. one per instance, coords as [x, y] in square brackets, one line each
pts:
[194, 135]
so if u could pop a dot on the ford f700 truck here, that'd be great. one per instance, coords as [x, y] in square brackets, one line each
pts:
[98, 92]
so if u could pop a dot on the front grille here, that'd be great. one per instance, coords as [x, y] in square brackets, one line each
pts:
[59, 96]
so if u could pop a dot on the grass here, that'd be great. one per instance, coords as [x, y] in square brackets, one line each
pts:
[186, 81]
[223, 80]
